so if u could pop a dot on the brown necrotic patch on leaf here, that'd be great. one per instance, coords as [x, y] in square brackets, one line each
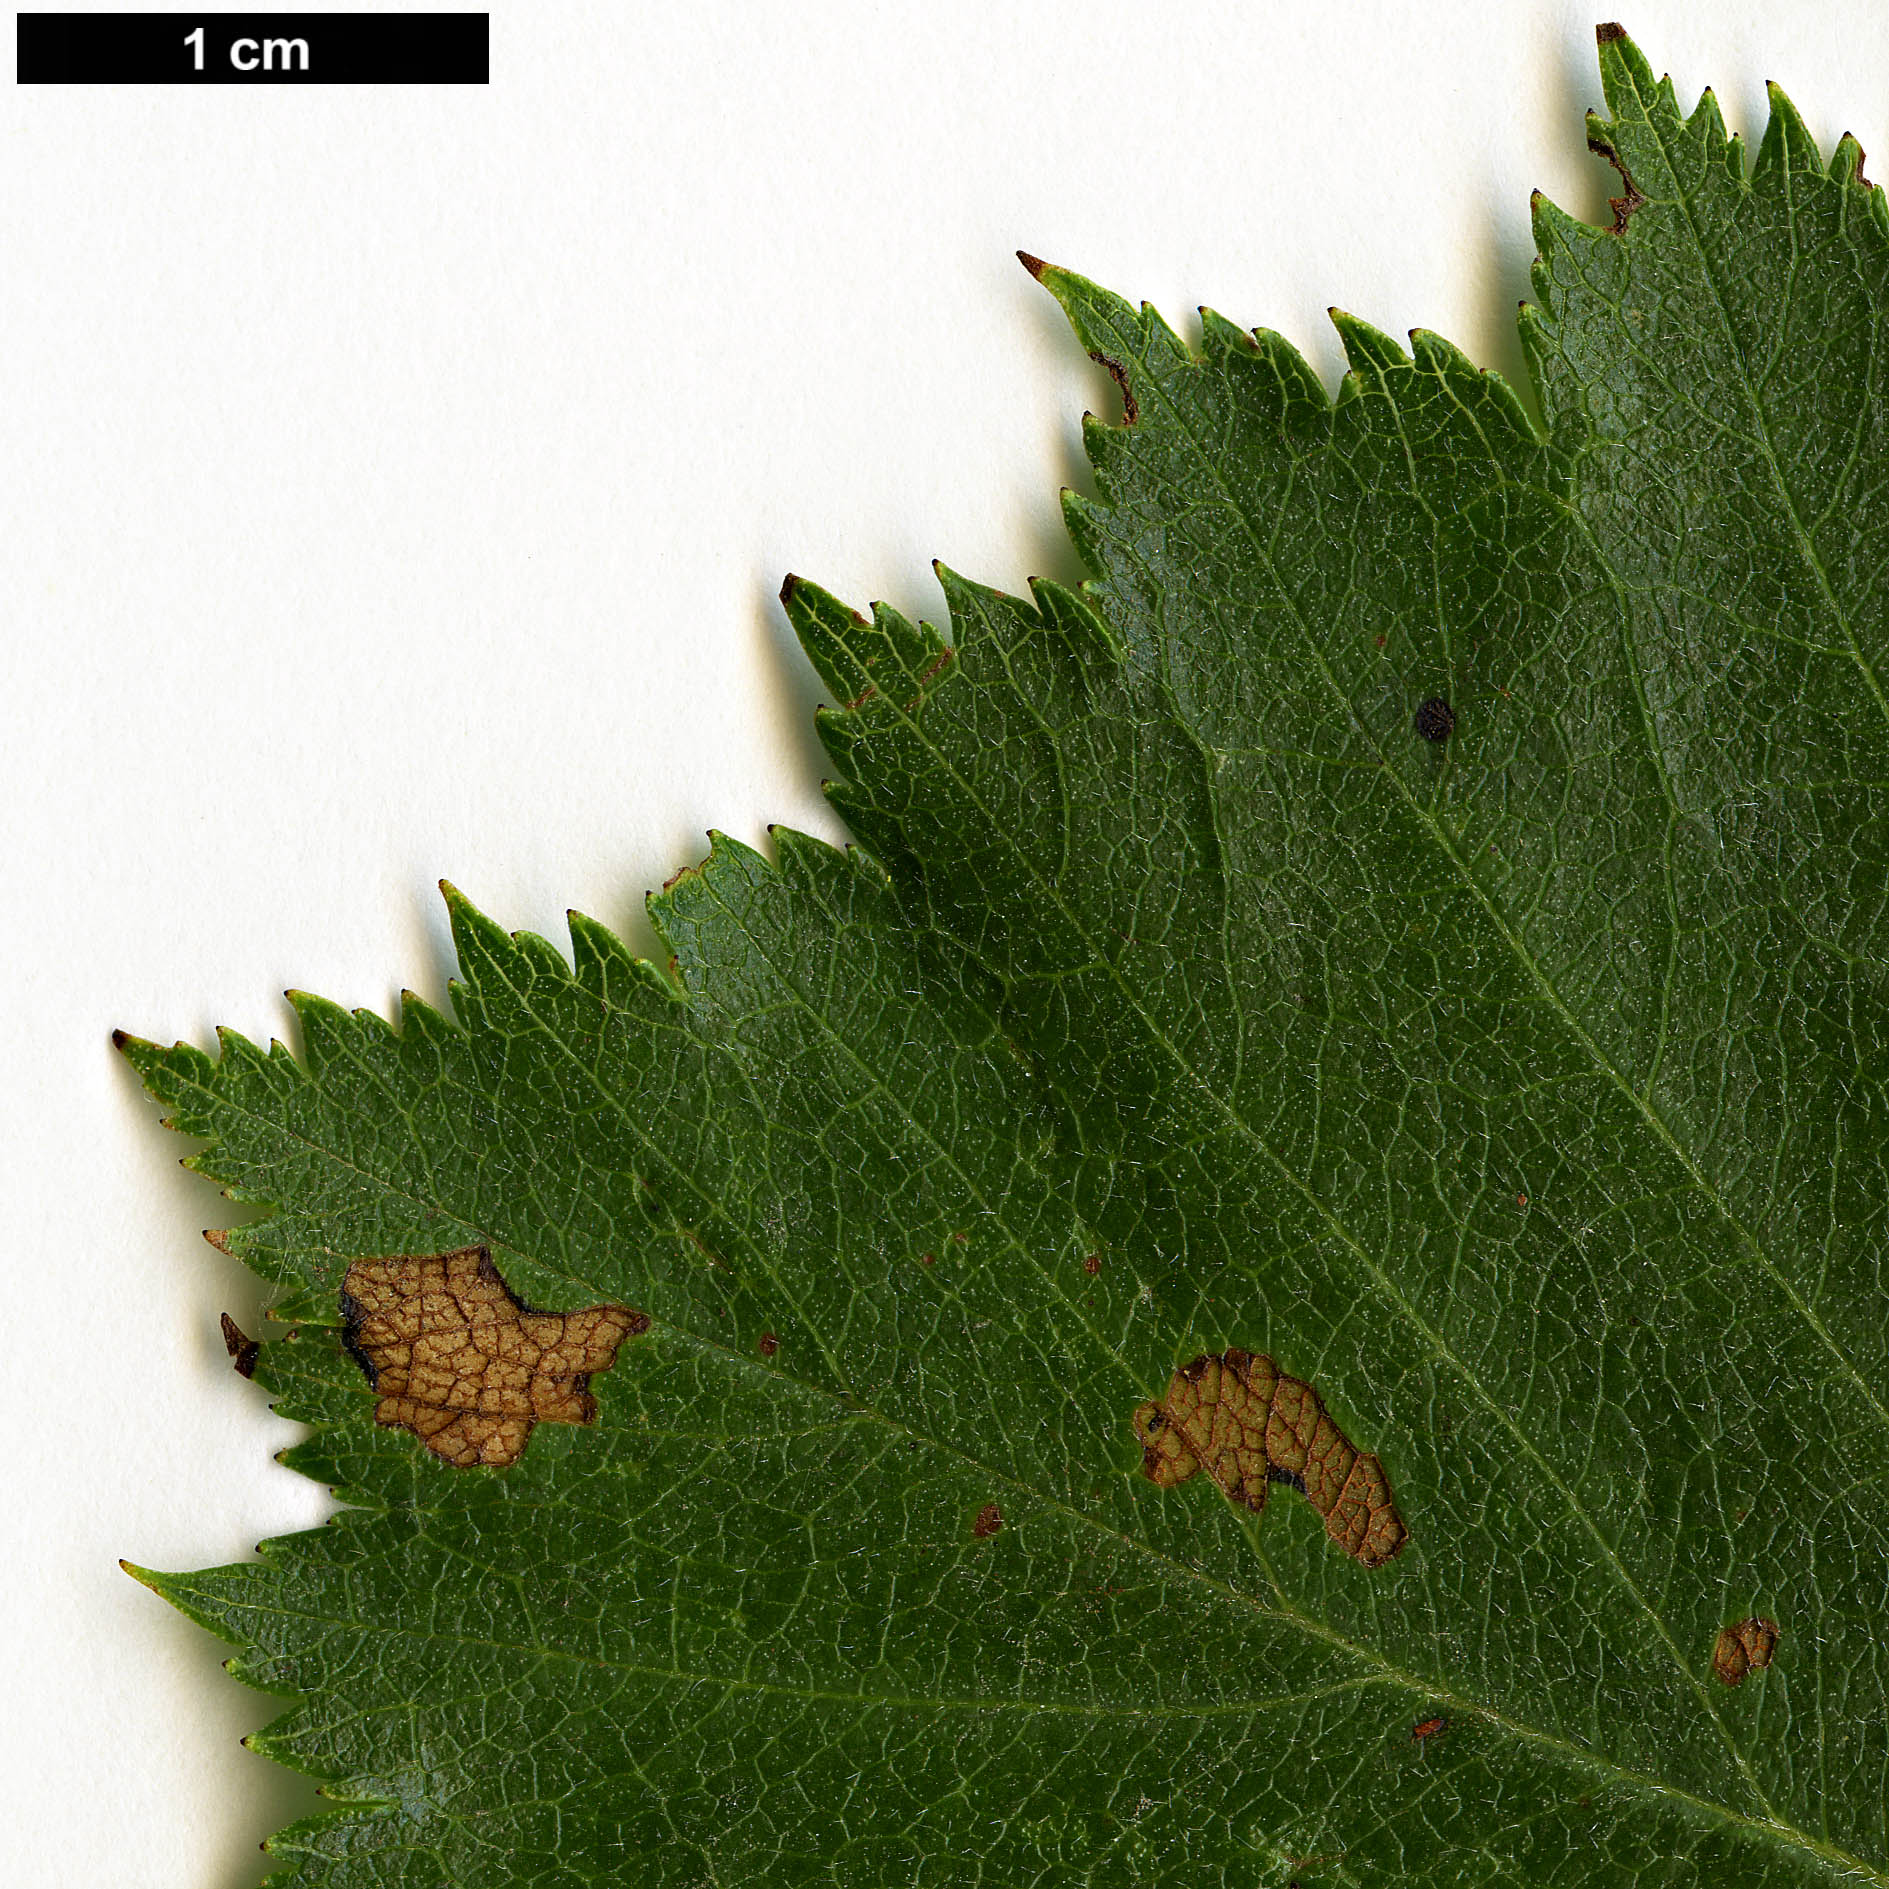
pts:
[243, 1349]
[1131, 407]
[1743, 1647]
[1248, 1425]
[466, 1365]
[990, 1518]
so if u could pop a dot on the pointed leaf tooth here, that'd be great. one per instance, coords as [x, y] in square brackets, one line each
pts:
[1369, 350]
[838, 641]
[1787, 144]
[1303, 391]
[603, 958]
[1077, 619]
[1846, 162]
[1106, 324]
[803, 858]
[477, 940]
[327, 1030]
[1625, 77]
[1555, 229]
[1707, 123]
[1083, 521]
[1220, 337]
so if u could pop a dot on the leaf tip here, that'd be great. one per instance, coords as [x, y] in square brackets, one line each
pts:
[1608, 31]
[1035, 264]
[789, 584]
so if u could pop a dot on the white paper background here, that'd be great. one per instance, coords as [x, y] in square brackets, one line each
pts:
[397, 483]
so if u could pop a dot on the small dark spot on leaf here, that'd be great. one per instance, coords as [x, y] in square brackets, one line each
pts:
[1092, 1264]
[639, 1324]
[1521, 1200]
[1381, 641]
[1427, 1728]
[928, 1259]
[989, 1520]
[243, 1349]
[958, 1239]
[1435, 720]
[769, 1344]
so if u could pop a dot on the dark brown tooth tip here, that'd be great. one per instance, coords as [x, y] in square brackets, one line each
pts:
[789, 584]
[1608, 31]
[1035, 264]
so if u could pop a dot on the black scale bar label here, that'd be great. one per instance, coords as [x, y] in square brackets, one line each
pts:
[254, 48]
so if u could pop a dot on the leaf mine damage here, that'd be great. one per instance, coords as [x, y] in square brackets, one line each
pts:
[1248, 1425]
[1743, 1647]
[463, 1363]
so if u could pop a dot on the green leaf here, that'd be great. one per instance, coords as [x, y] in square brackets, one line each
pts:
[1522, 1091]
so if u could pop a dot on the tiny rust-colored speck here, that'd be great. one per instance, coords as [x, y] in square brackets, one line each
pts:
[990, 1518]
[958, 1239]
[1427, 1728]
[463, 1363]
[1093, 1264]
[1241, 1419]
[928, 1259]
[769, 1344]
[243, 1349]
[1743, 1647]
[1521, 1200]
